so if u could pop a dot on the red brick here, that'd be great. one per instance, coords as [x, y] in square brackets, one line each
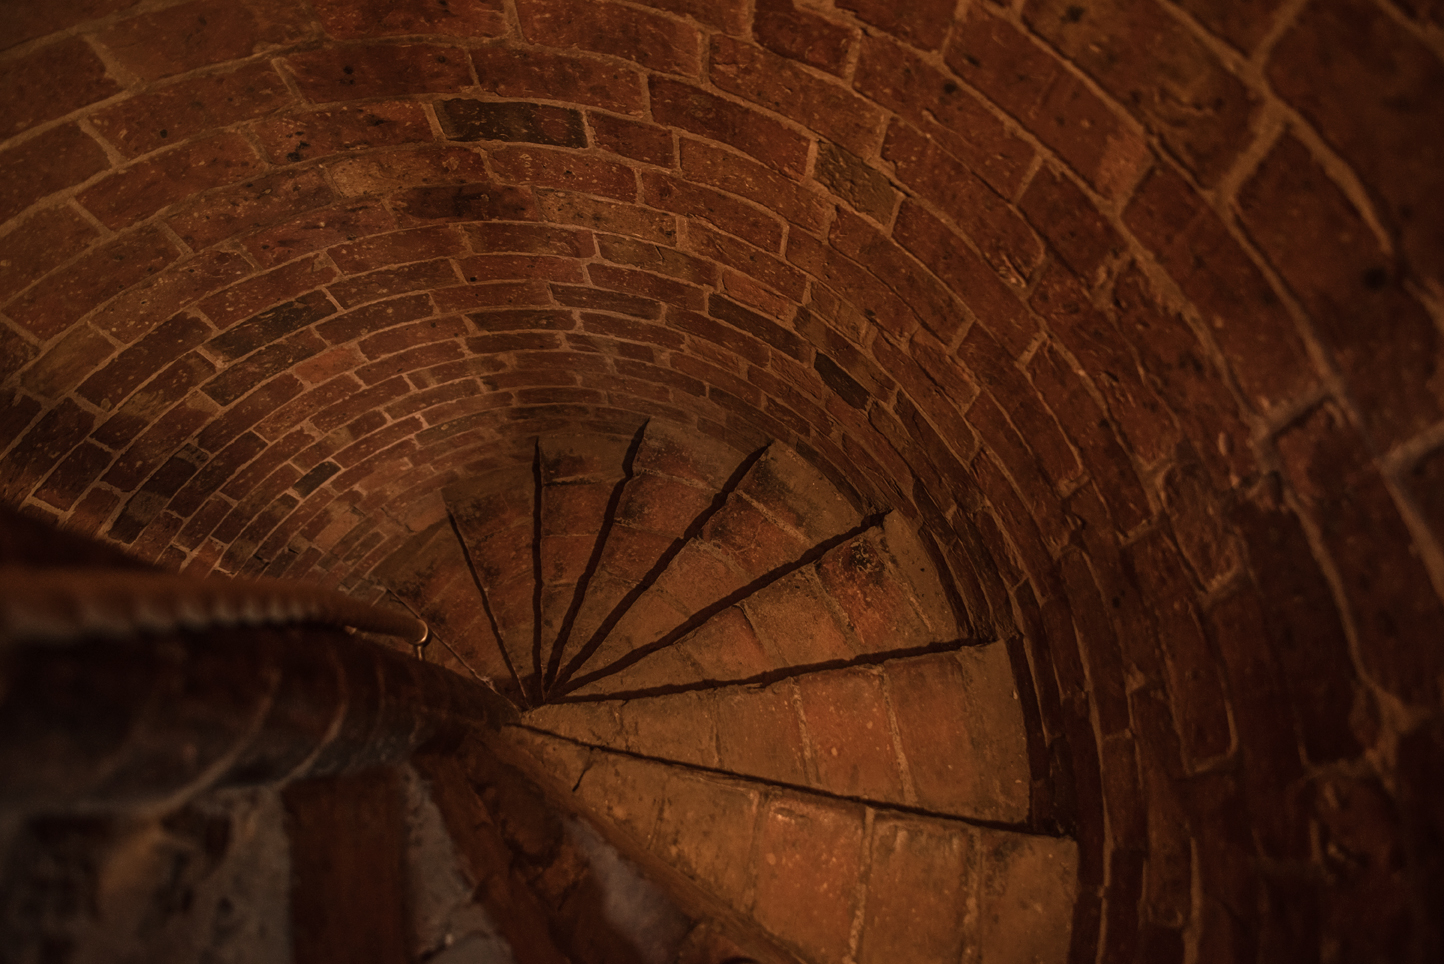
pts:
[475, 120]
[68, 360]
[22, 22]
[356, 72]
[16, 351]
[268, 326]
[584, 173]
[139, 190]
[1009, 448]
[1004, 239]
[759, 734]
[1181, 373]
[508, 72]
[726, 213]
[635, 139]
[1097, 344]
[847, 723]
[141, 361]
[170, 115]
[646, 285]
[1385, 585]
[304, 136]
[489, 267]
[1370, 86]
[1086, 425]
[868, 191]
[390, 282]
[75, 473]
[51, 82]
[250, 410]
[736, 343]
[1321, 246]
[180, 39]
[179, 287]
[600, 300]
[63, 297]
[407, 336]
[1060, 211]
[1151, 62]
[762, 328]
[921, 24]
[1270, 747]
[250, 206]
[774, 82]
[929, 301]
[424, 166]
[919, 891]
[159, 442]
[51, 236]
[1200, 702]
[49, 162]
[656, 42]
[154, 398]
[746, 178]
[932, 101]
[265, 290]
[949, 257]
[661, 260]
[756, 264]
[397, 247]
[348, 20]
[1306, 631]
[529, 239]
[728, 15]
[238, 378]
[1248, 319]
[492, 295]
[362, 321]
[693, 109]
[47, 441]
[803, 35]
[587, 212]
[315, 230]
[809, 861]
[1055, 106]
[862, 291]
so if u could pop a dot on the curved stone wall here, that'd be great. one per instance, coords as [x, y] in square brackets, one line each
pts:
[1133, 307]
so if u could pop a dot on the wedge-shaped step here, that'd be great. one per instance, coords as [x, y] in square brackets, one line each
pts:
[874, 593]
[836, 879]
[582, 479]
[495, 517]
[676, 482]
[780, 513]
[431, 575]
[940, 732]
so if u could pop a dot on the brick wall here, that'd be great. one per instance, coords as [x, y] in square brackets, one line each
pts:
[1135, 307]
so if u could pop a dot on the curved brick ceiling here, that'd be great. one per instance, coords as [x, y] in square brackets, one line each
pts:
[1134, 308]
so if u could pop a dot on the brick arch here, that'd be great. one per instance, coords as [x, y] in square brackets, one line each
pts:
[1135, 308]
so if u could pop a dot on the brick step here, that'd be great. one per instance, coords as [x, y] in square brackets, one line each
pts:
[830, 878]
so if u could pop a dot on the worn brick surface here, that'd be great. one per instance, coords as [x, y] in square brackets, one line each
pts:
[809, 859]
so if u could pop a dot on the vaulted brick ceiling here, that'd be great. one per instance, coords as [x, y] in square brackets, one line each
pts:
[1134, 309]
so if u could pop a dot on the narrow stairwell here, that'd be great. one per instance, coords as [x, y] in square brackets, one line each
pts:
[759, 682]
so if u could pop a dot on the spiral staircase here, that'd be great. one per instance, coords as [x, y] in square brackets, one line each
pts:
[759, 682]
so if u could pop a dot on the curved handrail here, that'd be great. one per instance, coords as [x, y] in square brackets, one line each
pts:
[60, 605]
